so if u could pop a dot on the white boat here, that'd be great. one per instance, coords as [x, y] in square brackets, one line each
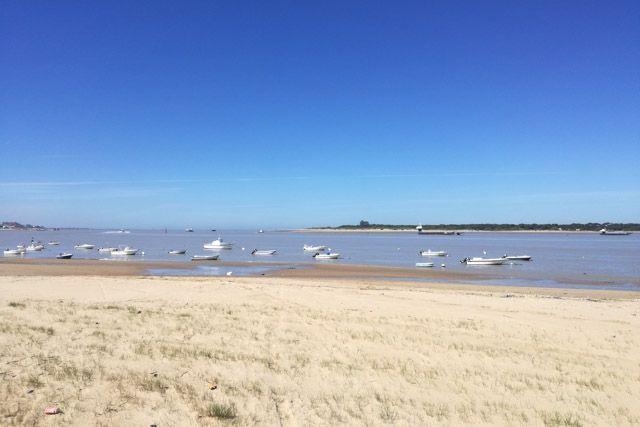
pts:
[218, 244]
[263, 252]
[432, 253]
[84, 246]
[189, 230]
[35, 247]
[12, 252]
[204, 257]
[310, 248]
[483, 261]
[261, 231]
[330, 255]
[124, 251]
[64, 256]
[21, 249]
[424, 264]
[517, 257]
[107, 249]
[178, 252]
[52, 243]
[606, 232]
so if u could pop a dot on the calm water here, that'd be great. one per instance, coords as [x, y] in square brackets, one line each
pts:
[566, 258]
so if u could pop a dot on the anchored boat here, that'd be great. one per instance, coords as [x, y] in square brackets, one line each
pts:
[84, 246]
[330, 255]
[124, 251]
[204, 257]
[433, 253]
[218, 244]
[483, 261]
[263, 252]
[424, 264]
[606, 232]
[12, 252]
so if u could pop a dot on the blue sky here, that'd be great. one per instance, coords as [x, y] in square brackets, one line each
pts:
[275, 114]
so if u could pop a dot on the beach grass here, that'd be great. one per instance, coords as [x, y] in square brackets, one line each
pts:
[274, 353]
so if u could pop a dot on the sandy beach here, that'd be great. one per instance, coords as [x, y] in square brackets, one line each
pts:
[304, 351]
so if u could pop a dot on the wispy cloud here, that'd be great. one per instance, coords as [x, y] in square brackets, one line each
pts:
[259, 179]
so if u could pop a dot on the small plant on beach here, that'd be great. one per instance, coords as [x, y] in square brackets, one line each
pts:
[17, 304]
[42, 329]
[222, 411]
[152, 384]
[556, 419]
[34, 381]
[387, 413]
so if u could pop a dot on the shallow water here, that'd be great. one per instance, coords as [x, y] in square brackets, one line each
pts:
[579, 259]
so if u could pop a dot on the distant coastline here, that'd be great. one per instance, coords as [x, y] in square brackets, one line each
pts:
[366, 227]
[16, 226]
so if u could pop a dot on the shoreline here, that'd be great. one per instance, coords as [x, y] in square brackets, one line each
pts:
[371, 274]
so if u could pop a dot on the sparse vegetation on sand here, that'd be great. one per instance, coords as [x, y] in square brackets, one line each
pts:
[269, 352]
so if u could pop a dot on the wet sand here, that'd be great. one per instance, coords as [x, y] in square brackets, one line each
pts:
[329, 273]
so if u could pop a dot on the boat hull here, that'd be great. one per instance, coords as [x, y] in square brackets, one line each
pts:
[205, 257]
[263, 253]
[424, 264]
[518, 258]
[433, 253]
[326, 256]
[485, 261]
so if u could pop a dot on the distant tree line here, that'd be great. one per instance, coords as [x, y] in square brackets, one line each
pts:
[17, 226]
[590, 226]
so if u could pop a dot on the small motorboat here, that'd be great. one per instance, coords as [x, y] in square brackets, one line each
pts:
[424, 264]
[204, 257]
[517, 257]
[84, 246]
[483, 261]
[330, 255]
[107, 249]
[218, 244]
[310, 248]
[432, 253]
[263, 252]
[124, 251]
[261, 231]
[189, 230]
[52, 243]
[178, 252]
[35, 247]
[64, 256]
[606, 232]
[21, 248]
[13, 252]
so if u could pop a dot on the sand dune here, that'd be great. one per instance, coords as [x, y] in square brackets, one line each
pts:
[139, 351]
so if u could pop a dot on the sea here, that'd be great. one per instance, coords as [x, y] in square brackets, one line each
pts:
[558, 259]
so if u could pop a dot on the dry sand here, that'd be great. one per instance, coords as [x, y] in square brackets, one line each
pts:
[293, 351]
